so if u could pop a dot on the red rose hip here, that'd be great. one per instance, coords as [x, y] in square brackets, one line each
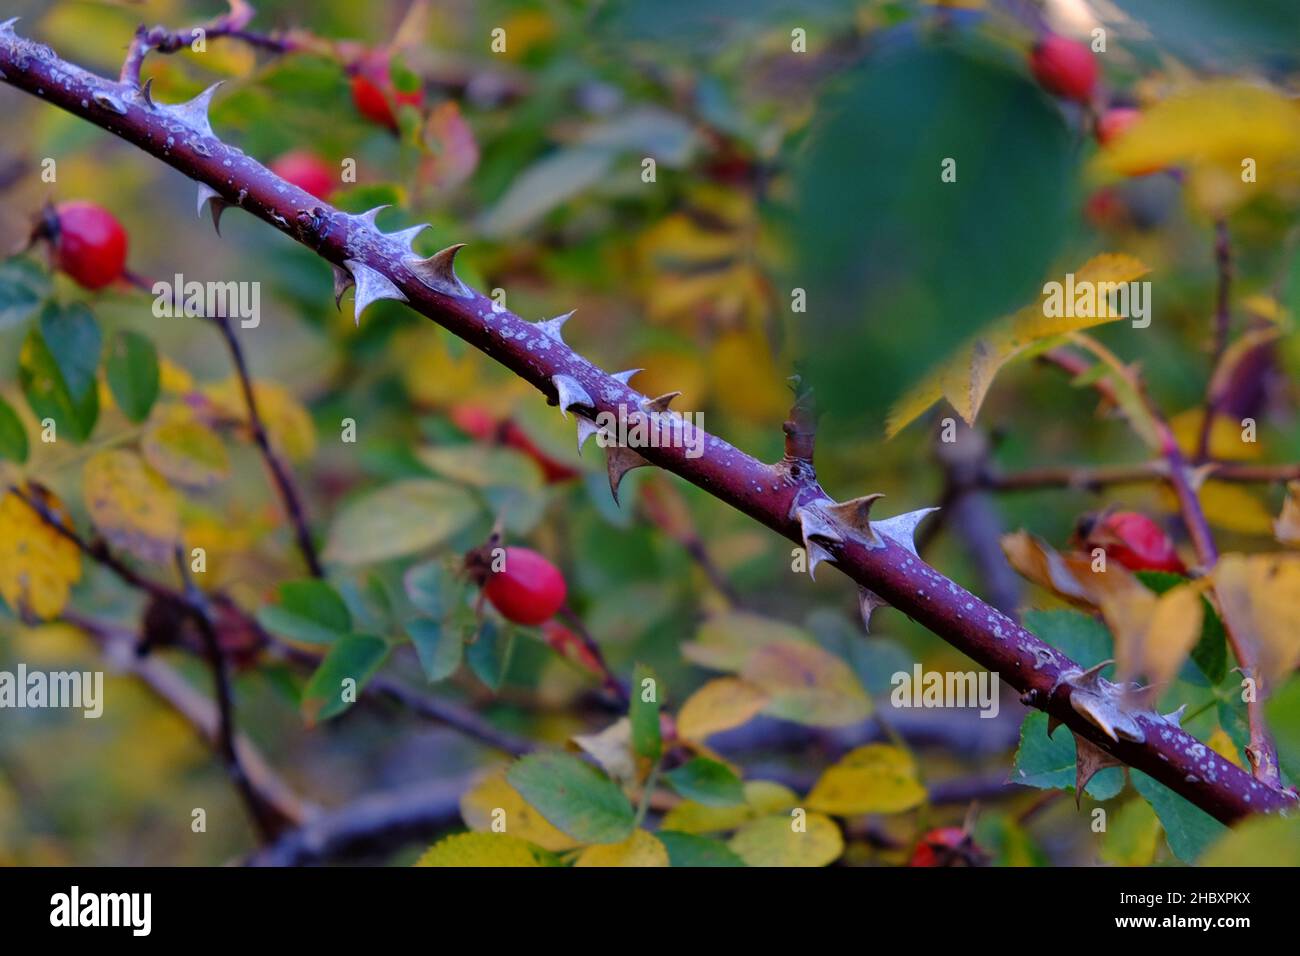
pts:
[307, 171]
[1064, 67]
[945, 846]
[90, 245]
[1135, 541]
[528, 589]
[1115, 122]
[376, 98]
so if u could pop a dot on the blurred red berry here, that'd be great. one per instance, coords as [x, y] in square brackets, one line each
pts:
[307, 171]
[90, 245]
[475, 421]
[528, 589]
[947, 846]
[1064, 67]
[374, 95]
[1134, 540]
[1115, 122]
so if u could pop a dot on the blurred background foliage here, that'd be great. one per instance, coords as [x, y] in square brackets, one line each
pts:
[773, 172]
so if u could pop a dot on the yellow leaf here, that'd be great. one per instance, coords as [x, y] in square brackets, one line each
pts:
[673, 370]
[1134, 836]
[1222, 745]
[807, 684]
[288, 425]
[1225, 436]
[719, 705]
[761, 798]
[612, 749]
[876, 778]
[746, 381]
[640, 849]
[183, 449]
[480, 849]
[131, 505]
[1259, 597]
[1209, 129]
[38, 566]
[172, 378]
[492, 802]
[1172, 632]
[1228, 506]
[965, 378]
[1287, 526]
[778, 841]
[1035, 560]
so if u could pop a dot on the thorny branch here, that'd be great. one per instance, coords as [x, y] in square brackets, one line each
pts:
[1178, 473]
[784, 496]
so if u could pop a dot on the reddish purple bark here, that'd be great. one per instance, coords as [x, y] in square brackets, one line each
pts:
[767, 493]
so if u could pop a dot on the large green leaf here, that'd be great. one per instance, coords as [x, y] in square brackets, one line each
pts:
[439, 648]
[574, 796]
[1048, 762]
[708, 782]
[48, 392]
[23, 286]
[310, 612]
[13, 436]
[339, 679]
[689, 849]
[398, 519]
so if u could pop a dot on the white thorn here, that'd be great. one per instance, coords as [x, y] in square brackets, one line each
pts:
[8, 25]
[369, 216]
[551, 327]
[371, 286]
[407, 236]
[816, 555]
[209, 195]
[626, 376]
[569, 392]
[901, 529]
[586, 429]
[195, 112]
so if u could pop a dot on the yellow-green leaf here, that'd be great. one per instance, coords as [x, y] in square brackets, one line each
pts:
[761, 798]
[1259, 596]
[131, 505]
[183, 449]
[481, 849]
[877, 778]
[719, 705]
[492, 803]
[807, 684]
[640, 849]
[38, 566]
[965, 378]
[790, 839]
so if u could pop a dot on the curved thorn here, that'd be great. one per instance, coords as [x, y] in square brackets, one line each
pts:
[586, 429]
[407, 236]
[661, 403]
[625, 376]
[194, 113]
[569, 392]
[551, 327]
[868, 601]
[618, 462]
[370, 286]
[901, 529]
[370, 215]
[209, 195]
[342, 282]
[438, 272]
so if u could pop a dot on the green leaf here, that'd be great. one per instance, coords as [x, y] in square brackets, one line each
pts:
[310, 612]
[72, 335]
[1133, 835]
[574, 797]
[1083, 639]
[1282, 710]
[1188, 828]
[489, 655]
[1048, 762]
[48, 393]
[430, 588]
[353, 659]
[708, 782]
[643, 711]
[398, 519]
[687, 849]
[132, 369]
[13, 436]
[23, 287]
[439, 648]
